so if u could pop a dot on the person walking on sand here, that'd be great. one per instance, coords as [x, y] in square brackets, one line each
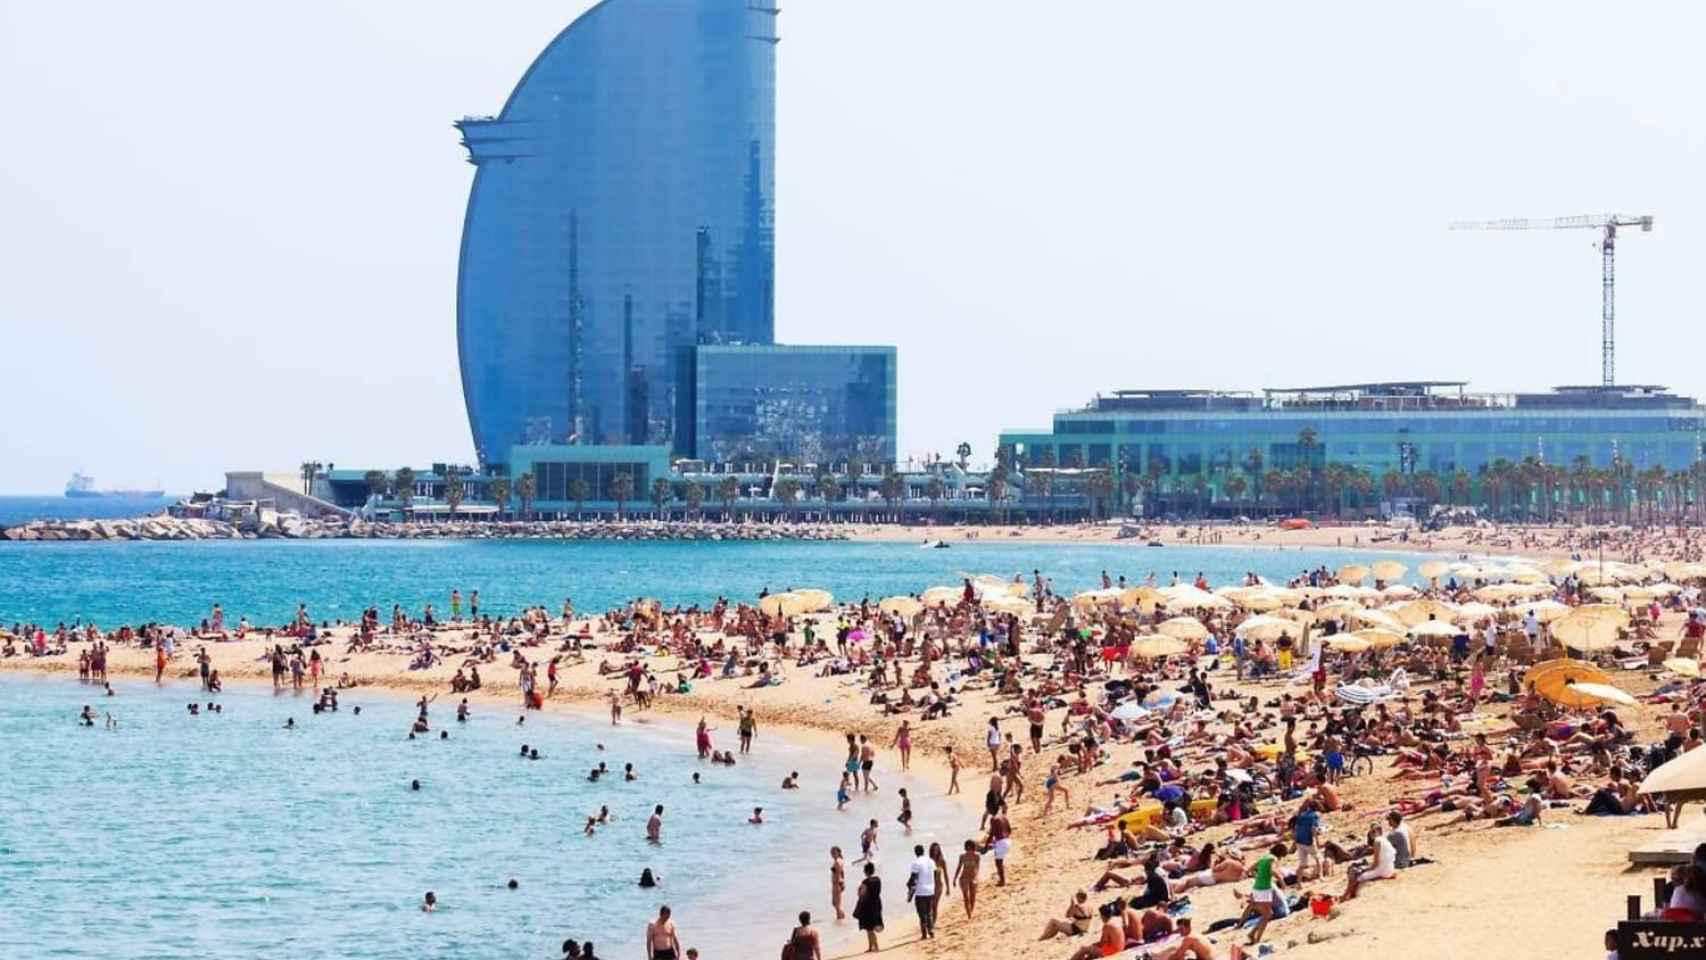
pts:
[921, 890]
[965, 876]
[661, 940]
[837, 881]
[992, 740]
[1000, 842]
[903, 743]
[868, 908]
[455, 605]
[953, 771]
[1053, 784]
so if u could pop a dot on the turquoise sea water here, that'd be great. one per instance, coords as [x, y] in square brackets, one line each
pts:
[227, 836]
[178, 582]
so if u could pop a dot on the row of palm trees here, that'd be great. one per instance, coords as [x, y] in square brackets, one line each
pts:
[1528, 490]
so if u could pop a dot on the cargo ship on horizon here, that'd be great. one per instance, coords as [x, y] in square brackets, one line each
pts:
[84, 486]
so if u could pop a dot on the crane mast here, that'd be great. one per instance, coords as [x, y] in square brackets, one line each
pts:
[1607, 224]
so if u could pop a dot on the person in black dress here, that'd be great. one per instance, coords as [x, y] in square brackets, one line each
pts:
[868, 909]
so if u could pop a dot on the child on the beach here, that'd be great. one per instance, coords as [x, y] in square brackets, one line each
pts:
[841, 797]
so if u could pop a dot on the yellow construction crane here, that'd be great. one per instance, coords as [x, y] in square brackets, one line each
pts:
[1607, 223]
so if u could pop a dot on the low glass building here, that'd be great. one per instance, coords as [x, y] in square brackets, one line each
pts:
[1198, 440]
[798, 404]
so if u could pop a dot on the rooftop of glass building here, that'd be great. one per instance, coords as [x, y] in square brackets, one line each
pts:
[1387, 395]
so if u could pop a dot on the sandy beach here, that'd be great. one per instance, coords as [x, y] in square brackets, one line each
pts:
[1552, 890]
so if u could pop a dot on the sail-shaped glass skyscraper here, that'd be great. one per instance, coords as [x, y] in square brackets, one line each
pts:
[621, 214]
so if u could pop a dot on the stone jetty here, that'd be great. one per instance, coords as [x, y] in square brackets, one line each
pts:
[288, 526]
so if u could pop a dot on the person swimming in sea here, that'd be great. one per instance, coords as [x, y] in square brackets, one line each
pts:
[87, 717]
[429, 903]
[757, 816]
[648, 879]
[791, 781]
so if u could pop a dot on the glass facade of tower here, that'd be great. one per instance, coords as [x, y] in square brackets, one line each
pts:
[796, 404]
[621, 213]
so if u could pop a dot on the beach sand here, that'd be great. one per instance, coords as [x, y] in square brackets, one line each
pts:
[1543, 892]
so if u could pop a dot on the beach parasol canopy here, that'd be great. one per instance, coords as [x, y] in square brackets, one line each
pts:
[1142, 598]
[1684, 666]
[1433, 569]
[1264, 627]
[1017, 606]
[936, 595]
[1419, 611]
[1476, 611]
[902, 606]
[1338, 609]
[1348, 643]
[1558, 688]
[817, 600]
[1684, 570]
[1184, 628]
[1587, 634]
[1400, 591]
[1379, 639]
[783, 605]
[1680, 780]
[1380, 619]
[1387, 570]
[1545, 611]
[1573, 670]
[1187, 597]
[1433, 630]
[1157, 645]
[1353, 573]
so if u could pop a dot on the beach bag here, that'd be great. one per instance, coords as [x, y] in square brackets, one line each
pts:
[538, 701]
[788, 950]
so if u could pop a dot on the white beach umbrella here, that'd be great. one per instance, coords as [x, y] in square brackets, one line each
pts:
[1184, 628]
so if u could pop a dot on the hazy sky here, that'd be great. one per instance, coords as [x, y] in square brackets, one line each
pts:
[228, 231]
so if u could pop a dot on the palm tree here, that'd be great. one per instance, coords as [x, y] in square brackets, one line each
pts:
[1100, 486]
[695, 497]
[1460, 486]
[579, 491]
[662, 493]
[500, 494]
[1275, 483]
[935, 490]
[525, 488]
[1307, 440]
[1235, 486]
[1427, 487]
[728, 490]
[1392, 484]
[1253, 466]
[892, 489]
[1362, 484]
[376, 482]
[787, 492]
[855, 470]
[1337, 477]
[403, 481]
[1042, 485]
[454, 491]
[622, 490]
[310, 468]
[964, 454]
[996, 491]
[831, 491]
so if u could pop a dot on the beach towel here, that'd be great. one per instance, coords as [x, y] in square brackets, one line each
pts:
[1362, 696]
